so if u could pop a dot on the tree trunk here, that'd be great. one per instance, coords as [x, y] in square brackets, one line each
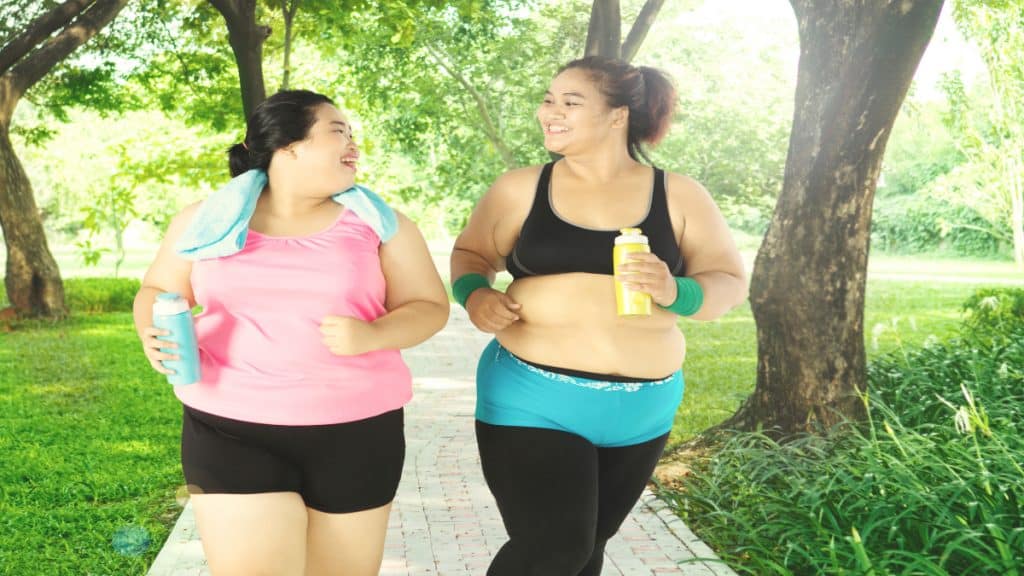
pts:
[246, 38]
[605, 31]
[807, 292]
[32, 278]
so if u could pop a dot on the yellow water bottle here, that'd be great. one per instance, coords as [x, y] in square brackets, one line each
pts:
[630, 302]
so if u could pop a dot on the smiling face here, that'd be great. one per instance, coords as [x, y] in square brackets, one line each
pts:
[575, 116]
[327, 158]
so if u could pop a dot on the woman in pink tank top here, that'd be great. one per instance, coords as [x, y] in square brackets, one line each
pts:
[292, 440]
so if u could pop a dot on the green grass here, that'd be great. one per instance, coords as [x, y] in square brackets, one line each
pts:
[721, 356]
[89, 445]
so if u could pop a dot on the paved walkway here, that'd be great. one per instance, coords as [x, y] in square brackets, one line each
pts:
[444, 521]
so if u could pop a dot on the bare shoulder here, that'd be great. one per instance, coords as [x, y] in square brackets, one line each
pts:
[406, 225]
[181, 220]
[683, 191]
[515, 186]
[689, 203]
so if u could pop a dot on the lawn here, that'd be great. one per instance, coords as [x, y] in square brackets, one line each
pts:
[89, 442]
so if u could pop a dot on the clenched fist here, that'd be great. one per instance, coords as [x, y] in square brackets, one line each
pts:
[347, 336]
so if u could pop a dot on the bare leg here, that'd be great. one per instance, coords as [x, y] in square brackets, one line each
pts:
[346, 544]
[252, 534]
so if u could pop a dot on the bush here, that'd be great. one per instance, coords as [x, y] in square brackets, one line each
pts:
[95, 295]
[993, 312]
[920, 223]
[932, 483]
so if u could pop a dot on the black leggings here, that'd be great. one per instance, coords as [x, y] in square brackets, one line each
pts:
[561, 498]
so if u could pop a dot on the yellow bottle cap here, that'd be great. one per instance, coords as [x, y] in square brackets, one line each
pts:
[631, 231]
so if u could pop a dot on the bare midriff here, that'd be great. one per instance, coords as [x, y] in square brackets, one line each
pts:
[569, 321]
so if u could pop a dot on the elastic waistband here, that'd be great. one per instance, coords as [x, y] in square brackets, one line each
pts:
[582, 378]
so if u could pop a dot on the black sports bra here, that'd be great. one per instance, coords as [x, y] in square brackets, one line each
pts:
[547, 244]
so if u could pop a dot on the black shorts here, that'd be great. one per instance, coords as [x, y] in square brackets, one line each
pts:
[336, 468]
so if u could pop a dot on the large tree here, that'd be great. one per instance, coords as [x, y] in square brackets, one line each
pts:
[32, 278]
[857, 59]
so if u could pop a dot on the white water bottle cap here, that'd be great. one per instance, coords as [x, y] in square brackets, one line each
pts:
[630, 236]
[169, 304]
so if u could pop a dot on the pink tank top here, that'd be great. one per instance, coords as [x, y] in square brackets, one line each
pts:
[260, 345]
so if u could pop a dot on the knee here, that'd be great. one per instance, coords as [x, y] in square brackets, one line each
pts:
[568, 554]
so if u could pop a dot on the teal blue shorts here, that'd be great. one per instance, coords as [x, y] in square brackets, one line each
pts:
[512, 392]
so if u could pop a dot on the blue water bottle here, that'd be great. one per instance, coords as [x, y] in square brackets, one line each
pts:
[171, 312]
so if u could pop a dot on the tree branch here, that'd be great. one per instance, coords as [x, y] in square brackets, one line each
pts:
[642, 25]
[41, 28]
[32, 69]
[481, 105]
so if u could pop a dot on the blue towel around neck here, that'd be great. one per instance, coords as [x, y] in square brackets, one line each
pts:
[221, 223]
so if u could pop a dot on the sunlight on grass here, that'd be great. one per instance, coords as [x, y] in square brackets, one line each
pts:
[93, 435]
[721, 358]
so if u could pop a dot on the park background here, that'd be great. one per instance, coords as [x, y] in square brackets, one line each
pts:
[135, 124]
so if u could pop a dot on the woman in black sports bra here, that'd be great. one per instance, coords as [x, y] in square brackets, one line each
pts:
[575, 403]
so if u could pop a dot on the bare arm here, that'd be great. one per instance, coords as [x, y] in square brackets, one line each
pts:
[486, 240]
[416, 304]
[167, 273]
[709, 251]
[416, 301]
[493, 227]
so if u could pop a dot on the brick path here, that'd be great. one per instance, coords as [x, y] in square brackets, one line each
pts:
[444, 520]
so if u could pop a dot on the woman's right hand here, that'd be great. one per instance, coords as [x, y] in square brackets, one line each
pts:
[490, 310]
[151, 345]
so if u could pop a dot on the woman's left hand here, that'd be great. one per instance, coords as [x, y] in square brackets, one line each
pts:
[347, 336]
[645, 272]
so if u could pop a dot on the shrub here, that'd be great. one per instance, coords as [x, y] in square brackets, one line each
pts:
[931, 483]
[915, 224]
[94, 295]
[993, 312]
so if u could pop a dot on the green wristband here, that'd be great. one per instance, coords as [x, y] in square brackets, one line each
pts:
[465, 286]
[689, 297]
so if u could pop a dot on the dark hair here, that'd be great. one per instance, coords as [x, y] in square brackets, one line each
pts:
[647, 92]
[278, 121]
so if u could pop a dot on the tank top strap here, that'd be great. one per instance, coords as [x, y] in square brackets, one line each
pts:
[659, 222]
[542, 196]
[659, 196]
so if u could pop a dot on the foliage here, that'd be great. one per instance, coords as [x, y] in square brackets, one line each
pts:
[992, 136]
[994, 311]
[931, 484]
[159, 164]
[922, 223]
[735, 103]
[457, 98]
[113, 209]
[93, 76]
[920, 150]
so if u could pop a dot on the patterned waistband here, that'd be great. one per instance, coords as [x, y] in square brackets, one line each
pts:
[603, 385]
